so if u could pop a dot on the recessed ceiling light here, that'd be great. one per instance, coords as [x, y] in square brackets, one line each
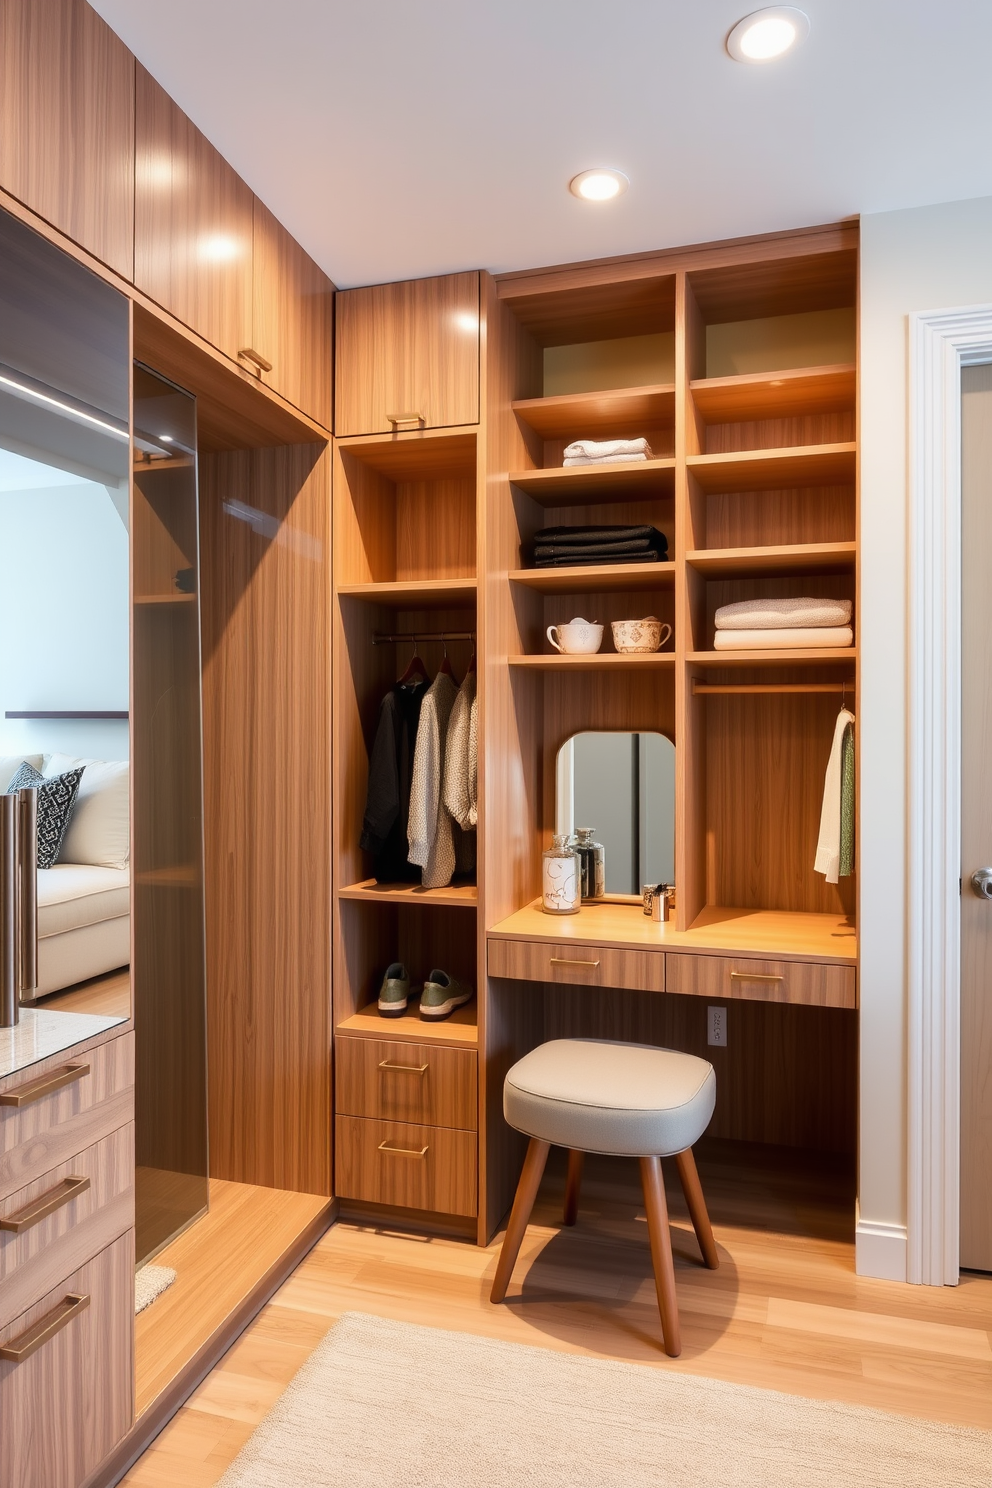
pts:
[767, 34]
[598, 185]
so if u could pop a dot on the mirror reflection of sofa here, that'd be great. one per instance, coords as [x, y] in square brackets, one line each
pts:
[84, 901]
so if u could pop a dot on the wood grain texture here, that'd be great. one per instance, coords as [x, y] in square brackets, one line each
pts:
[35, 1261]
[792, 558]
[370, 936]
[67, 123]
[587, 965]
[804, 430]
[192, 223]
[413, 1167]
[109, 995]
[625, 413]
[734, 519]
[762, 981]
[292, 317]
[65, 1408]
[599, 578]
[421, 1083]
[410, 348]
[774, 469]
[460, 1031]
[764, 395]
[576, 485]
[266, 761]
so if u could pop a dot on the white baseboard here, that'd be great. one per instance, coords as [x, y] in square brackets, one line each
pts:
[880, 1250]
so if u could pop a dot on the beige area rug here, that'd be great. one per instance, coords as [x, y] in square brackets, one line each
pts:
[381, 1404]
[150, 1282]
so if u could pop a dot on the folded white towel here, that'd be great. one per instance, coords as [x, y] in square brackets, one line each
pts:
[607, 449]
[606, 460]
[792, 639]
[777, 614]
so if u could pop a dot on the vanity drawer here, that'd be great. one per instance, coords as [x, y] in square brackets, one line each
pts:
[68, 1400]
[762, 981]
[407, 1166]
[578, 962]
[421, 1083]
[60, 1106]
[54, 1225]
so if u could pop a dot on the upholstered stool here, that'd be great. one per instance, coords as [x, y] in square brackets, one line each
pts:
[629, 1100]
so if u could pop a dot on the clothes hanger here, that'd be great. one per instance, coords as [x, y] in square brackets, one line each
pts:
[445, 666]
[416, 671]
[471, 665]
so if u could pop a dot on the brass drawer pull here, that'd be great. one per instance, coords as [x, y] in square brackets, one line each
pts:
[26, 1095]
[46, 1204]
[407, 1069]
[402, 1151]
[33, 1338]
[568, 961]
[263, 364]
[405, 418]
[754, 976]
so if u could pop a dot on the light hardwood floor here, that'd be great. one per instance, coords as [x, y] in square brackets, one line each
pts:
[785, 1310]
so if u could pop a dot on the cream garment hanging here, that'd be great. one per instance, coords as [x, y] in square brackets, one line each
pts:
[827, 859]
[461, 767]
[429, 826]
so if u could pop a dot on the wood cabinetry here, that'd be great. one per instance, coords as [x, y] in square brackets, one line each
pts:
[586, 965]
[406, 1166]
[292, 318]
[407, 356]
[67, 123]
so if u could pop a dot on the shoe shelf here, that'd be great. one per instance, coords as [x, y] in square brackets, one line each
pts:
[589, 578]
[460, 1030]
[573, 485]
[786, 558]
[600, 661]
[421, 454]
[422, 594]
[771, 395]
[620, 413]
[777, 469]
[455, 896]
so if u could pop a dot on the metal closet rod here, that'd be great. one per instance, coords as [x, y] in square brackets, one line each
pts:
[705, 688]
[379, 639]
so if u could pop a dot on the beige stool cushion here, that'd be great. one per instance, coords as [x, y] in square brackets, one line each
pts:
[630, 1100]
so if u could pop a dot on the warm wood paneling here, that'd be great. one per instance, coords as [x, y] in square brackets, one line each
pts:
[406, 1082]
[292, 317]
[67, 123]
[417, 1167]
[587, 965]
[265, 577]
[804, 982]
[192, 223]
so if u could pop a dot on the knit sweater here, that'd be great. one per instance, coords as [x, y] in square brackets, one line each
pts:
[429, 829]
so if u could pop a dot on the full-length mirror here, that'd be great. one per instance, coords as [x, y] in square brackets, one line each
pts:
[623, 787]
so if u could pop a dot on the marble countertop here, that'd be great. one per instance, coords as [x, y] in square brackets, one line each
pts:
[43, 1031]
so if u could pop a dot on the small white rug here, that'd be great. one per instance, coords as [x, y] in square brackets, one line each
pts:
[381, 1404]
[150, 1282]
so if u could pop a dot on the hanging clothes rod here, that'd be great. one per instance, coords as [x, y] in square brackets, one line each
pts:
[379, 639]
[726, 688]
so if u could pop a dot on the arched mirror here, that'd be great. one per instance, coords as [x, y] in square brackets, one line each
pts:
[622, 785]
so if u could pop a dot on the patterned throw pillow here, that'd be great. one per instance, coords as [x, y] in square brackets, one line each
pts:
[56, 798]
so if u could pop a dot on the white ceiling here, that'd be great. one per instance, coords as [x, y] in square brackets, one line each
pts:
[396, 139]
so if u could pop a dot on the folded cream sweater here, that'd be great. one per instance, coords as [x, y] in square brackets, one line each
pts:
[607, 449]
[792, 639]
[779, 614]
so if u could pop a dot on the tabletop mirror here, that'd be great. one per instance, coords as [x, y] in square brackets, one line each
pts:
[623, 785]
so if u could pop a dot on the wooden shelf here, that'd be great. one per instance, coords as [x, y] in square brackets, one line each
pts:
[571, 485]
[455, 896]
[620, 413]
[595, 578]
[421, 454]
[823, 656]
[776, 470]
[161, 599]
[716, 931]
[460, 1030]
[600, 661]
[180, 876]
[795, 558]
[770, 395]
[419, 594]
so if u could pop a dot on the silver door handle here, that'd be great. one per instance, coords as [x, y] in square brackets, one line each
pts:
[981, 882]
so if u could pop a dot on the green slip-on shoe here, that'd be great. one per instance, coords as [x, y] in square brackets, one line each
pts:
[394, 994]
[442, 994]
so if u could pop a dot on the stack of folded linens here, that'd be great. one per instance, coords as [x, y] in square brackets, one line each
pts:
[783, 625]
[607, 451]
[559, 547]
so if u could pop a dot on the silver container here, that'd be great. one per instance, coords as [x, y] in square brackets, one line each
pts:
[592, 860]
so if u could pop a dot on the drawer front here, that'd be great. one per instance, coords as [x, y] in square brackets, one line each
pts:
[763, 981]
[407, 1082]
[583, 964]
[53, 1126]
[66, 1405]
[62, 1220]
[410, 1167]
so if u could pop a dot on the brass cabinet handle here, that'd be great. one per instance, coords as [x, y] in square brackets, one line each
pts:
[402, 1151]
[569, 961]
[408, 1069]
[405, 418]
[754, 976]
[46, 1204]
[263, 364]
[26, 1095]
[33, 1338]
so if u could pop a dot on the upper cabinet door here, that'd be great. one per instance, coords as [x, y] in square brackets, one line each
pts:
[67, 123]
[408, 355]
[293, 319]
[192, 224]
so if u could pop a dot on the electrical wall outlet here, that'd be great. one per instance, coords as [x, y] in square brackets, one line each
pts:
[716, 1032]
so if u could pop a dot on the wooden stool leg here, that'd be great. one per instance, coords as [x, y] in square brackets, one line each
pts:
[523, 1203]
[572, 1185]
[693, 1190]
[661, 1252]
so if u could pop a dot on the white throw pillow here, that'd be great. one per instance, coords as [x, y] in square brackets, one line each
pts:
[11, 763]
[99, 829]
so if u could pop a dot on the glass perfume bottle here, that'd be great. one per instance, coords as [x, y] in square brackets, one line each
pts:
[561, 877]
[592, 861]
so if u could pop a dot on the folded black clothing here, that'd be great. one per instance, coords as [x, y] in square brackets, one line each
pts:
[594, 550]
[581, 558]
[600, 534]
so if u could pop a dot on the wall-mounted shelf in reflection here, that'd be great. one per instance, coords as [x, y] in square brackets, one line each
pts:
[74, 713]
[179, 876]
[158, 599]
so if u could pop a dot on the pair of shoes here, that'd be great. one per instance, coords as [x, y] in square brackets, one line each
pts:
[440, 996]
